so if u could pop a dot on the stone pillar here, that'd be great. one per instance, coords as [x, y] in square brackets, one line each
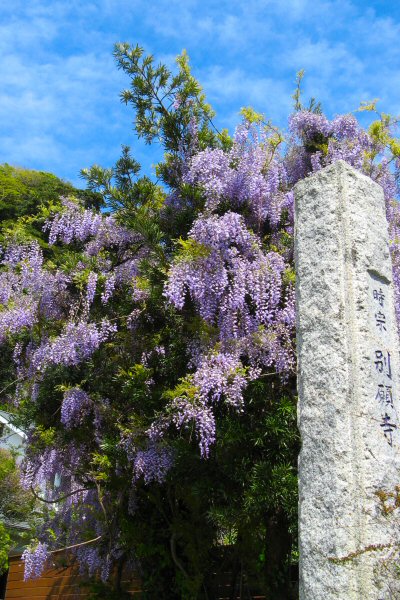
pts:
[348, 367]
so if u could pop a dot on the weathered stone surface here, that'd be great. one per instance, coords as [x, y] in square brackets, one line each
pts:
[348, 377]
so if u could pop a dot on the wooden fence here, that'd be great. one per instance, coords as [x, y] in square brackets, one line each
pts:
[59, 583]
[65, 583]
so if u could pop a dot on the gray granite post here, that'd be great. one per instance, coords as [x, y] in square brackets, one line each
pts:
[348, 379]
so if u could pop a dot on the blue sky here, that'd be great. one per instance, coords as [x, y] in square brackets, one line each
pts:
[59, 98]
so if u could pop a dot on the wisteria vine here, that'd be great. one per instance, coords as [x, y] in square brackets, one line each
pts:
[233, 271]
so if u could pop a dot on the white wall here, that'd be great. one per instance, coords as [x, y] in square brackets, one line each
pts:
[11, 437]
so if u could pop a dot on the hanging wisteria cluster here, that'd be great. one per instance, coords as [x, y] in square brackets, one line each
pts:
[248, 174]
[28, 291]
[73, 323]
[35, 561]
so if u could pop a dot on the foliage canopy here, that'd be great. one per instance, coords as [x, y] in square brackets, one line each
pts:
[152, 345]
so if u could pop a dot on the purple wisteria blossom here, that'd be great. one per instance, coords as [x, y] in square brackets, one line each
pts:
[247, 175]
[184, 412]
[90, 559]
[76, 343]
[307, 125]
[109, 286]
[220, 378]
[235, 285]
[42, 468]
[223, 376]
[91, 288]
[153, 464]
[76, 224]
[28, 291]
[18, 317]
[76, 405]
[35, 560]
[345, 140]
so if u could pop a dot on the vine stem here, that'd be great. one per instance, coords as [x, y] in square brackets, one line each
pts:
[77, 545]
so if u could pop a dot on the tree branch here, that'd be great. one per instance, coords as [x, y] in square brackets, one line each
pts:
[61, 498]
[76, 545]
[174, 555]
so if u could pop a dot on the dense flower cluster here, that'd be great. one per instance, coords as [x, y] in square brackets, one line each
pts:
[28, 291]
[247, 175]
[43, 469]
[235, 284]
[152, 464]
[343, 137]
[76, 343]
[91, 289]
[35, 560]
[90, 559]
[222, 375]
[238, 287]
[109, 286]
[75, 406]
[183, 413]
[75, 224]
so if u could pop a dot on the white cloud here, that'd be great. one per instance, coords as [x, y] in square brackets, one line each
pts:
[59, 103]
